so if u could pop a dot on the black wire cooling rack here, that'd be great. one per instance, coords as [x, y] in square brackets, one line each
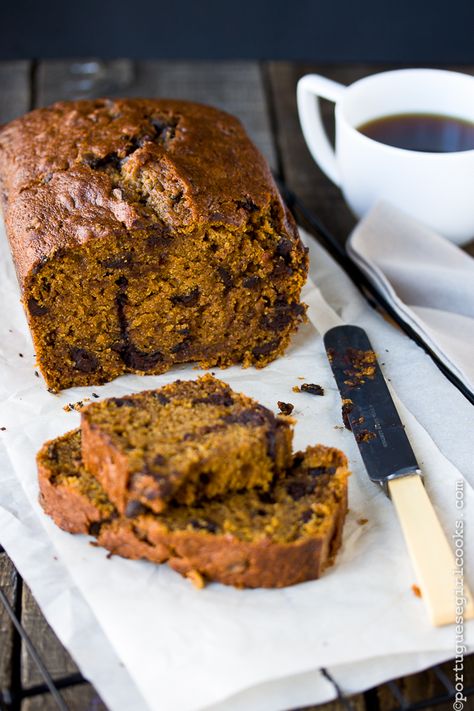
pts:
[396, 696]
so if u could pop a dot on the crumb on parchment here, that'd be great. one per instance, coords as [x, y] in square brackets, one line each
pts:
[286, 408]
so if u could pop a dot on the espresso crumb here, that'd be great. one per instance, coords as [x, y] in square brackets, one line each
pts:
[21, 355]
[347, 407]
[3, 429]
[196, 578]
[285, 407]
[312, 388]
[365, 436]
[362, 521]
[75, 405]
[37, 374]
[416, 590]
[95, 395]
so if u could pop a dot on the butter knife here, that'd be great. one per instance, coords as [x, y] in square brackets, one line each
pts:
[391, 463]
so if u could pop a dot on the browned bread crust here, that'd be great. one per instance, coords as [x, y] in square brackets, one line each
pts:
[304, 531]
[158, 225]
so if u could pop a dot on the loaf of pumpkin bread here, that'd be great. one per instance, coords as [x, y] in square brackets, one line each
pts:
[252, 538]
[146, 233]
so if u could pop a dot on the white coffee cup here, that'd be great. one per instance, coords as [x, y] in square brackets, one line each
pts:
[435, 188]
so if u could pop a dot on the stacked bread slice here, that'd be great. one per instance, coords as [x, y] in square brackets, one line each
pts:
[203, 478]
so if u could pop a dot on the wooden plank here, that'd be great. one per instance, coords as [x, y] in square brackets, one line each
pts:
[53, 654]
[8, 584]
[77, 698]
[236, 87]
[425, 685]
[14, 89]
[58, 662]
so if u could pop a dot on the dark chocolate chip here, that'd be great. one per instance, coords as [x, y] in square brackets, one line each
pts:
[189, 299]
[122, 281]
[282, 315]
[280, 268]
[223, 399]
[203, 524]
[84, 360]
[204, 478]
[134, 509]
[312, 388]
[111, 160]
[159, 460]
[296, 489]
[124, 402]
[117, 262]
[226, 278]
[266, 497]
[53, 453]
[94, 528]
[284, 247]
[35, 308]
[316, 471]
[182, 349]
[298, 459]
[256, 417]
[271, 443]
[265, 348]
[158, 236]
[247, 204]
[164, 131]
[162, 399]
[251, 282]
[306, 515]
[285, 407]
[139, 360]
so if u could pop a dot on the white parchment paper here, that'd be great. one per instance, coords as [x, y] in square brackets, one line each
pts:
[184, 649]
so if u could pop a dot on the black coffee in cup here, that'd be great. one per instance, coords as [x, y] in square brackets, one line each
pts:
[430, 133]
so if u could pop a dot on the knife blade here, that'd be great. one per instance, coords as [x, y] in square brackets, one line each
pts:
[368, 406]
[390, 462]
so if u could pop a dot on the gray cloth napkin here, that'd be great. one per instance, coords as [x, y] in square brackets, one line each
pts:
[426, 278]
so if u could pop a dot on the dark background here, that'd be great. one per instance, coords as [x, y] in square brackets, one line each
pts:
[416, 31]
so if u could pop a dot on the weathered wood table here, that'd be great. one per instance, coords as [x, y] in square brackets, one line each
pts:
[263, 96]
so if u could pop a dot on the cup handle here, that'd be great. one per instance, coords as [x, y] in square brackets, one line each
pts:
[310, 88]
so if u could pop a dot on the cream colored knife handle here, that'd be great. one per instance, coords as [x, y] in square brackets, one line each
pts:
[429, 549]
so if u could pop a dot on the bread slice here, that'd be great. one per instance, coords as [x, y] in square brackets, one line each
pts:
[189, 439]
[255, 538]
